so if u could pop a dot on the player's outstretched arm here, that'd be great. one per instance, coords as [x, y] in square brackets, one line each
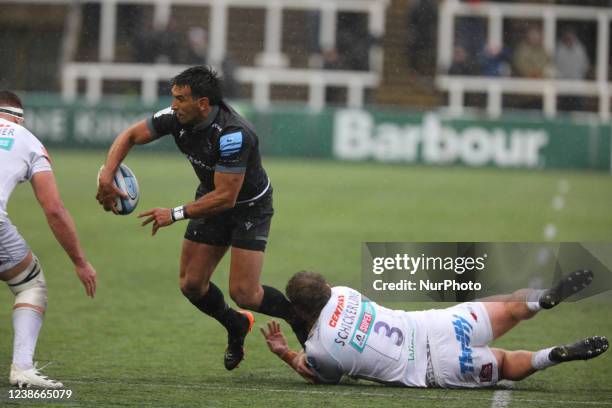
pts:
[137, 134]
[62, 225]
[277, 343]
[223, 197]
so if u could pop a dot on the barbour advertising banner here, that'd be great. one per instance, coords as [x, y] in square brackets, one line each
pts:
[380, 135]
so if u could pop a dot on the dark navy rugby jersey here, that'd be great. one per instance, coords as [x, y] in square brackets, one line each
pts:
[225, 142]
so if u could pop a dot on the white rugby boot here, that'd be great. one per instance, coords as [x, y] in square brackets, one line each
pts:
[31, 378]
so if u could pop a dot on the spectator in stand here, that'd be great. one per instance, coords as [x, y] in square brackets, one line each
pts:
[461, 64]
[494, 61]
[422, 32]
[354, 41]
[157, 44]
[571, 62]
[196, 53]
[571, 58]
[471, 32]
[531, 59]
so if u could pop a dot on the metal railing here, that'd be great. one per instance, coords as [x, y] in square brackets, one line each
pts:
[271, 68]
[495, 87]
[261, 78]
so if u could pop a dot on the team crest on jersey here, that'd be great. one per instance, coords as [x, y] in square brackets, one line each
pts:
[486, 373]
[230, 144]
[6, 143]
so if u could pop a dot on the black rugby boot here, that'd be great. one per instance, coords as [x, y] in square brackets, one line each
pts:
[567, 286]
[585, 349]
[234, 353]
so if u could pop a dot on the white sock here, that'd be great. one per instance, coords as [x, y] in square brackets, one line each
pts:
[26, 324]
[540, 360]
[533, 299]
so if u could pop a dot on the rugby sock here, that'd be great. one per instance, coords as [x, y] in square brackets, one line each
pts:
[213, 304]
[533, 300]
[274, 303]
[26, 324]
[541, 359]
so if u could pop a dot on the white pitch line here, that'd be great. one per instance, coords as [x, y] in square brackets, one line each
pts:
[502, 398]
[564, 186]
[558, 203]
[550, 232]
[234, 388]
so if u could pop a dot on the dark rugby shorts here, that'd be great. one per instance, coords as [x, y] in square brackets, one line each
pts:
[245, 226]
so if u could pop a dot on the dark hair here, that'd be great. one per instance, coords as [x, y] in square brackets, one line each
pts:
[308, 292]
[11, 99]
[203, 81]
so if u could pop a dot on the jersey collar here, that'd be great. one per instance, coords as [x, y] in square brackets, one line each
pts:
[209, 120]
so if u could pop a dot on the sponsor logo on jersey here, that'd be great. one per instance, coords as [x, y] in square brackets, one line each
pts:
[463, 330]
[6, 143]
[199, 163]
[333, 321]
[411, 352]
[364, 327]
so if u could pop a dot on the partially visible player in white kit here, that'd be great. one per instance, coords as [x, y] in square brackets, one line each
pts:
[445, 348]
[24, 158]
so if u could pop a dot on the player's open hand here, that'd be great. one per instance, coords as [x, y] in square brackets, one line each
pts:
[87, 275]
[108, 193]
[275, 339]
[160, 217]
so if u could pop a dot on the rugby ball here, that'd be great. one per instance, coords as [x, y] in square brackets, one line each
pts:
[125, 180]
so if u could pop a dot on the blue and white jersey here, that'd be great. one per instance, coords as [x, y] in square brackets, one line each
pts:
[360, 338]
[21, 156]
[224, 143]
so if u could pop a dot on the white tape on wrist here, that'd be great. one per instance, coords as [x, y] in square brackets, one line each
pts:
[178, 213]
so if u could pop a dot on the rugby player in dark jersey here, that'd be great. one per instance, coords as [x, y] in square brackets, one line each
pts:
[232, 208]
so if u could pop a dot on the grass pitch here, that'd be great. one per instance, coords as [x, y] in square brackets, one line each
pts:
[140, 343]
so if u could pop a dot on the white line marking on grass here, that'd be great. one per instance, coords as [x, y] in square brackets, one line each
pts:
[550, 231]
[502, 398]
[234, 388]
[564, 186]
[558, 203]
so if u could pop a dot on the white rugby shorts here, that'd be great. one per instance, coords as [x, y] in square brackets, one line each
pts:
[13, 248]
[458, 340]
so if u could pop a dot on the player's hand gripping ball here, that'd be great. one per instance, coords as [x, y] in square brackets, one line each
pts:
[125, 180]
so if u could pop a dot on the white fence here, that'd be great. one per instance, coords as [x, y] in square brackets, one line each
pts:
[271, 66]
[261, 78]
[495, 87]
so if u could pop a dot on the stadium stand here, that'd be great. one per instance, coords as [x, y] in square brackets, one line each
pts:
[293, 51]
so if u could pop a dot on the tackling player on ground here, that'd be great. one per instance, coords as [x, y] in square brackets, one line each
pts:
[232, 207]
[436, 348]
[23, 158]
